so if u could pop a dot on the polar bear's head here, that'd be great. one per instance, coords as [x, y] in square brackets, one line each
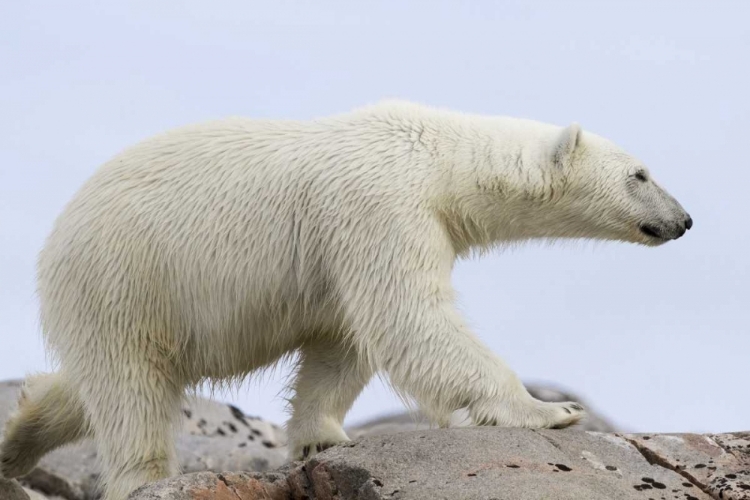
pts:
[607, 194]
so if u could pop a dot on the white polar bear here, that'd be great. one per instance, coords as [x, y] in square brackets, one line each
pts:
[215, 250]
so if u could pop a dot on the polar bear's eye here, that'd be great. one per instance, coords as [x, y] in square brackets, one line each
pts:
[640, 175]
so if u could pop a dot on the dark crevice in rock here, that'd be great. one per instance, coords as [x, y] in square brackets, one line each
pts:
[323, 484]
[654, 458]
[549, 439]
[298, 481]
[229, 486]
[332, 480]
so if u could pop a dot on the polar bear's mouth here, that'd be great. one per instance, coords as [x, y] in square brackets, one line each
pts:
[667, 232]
[652, 231]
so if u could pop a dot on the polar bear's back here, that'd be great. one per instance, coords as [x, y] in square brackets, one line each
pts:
[209, 232]
[187, 234]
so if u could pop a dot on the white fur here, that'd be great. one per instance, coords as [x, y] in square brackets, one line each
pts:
[212, 251]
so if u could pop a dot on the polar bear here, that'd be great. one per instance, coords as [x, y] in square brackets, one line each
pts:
[215, 250]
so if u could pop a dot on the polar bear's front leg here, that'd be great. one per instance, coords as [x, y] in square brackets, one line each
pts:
[330, 377]
[445, 367]
[408, 325]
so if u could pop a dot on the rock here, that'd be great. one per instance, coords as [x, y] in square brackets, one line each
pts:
[35, 495]
[70, 472]
[204, 417]
[492, 464]
[214, 436]
[473, 463]
[221, 437]
[198, 453]
[402, 422]
[11, 490]
[218, 486]
[718, 463]
[458, 463]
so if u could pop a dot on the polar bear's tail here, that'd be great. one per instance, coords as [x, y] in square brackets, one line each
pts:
[49, 415]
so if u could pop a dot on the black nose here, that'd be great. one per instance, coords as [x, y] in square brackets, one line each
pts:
[689, 222]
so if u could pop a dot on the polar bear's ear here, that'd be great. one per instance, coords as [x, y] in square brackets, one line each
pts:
[566, 143]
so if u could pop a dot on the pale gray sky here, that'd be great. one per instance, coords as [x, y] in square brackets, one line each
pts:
[658, 339]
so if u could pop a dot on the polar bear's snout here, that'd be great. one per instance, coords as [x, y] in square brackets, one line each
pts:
[667, 230]
[661, 217]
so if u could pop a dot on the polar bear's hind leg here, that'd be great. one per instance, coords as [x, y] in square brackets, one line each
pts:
[133, 405]
[49, 415]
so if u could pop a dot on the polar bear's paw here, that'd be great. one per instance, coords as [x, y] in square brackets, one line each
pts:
[16, 459]
[310, 450]
[19, 450]
[564, 414]
[530, 413]
[304, 445]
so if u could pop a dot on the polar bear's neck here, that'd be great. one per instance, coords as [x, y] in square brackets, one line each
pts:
[487, 174]
[473, 148]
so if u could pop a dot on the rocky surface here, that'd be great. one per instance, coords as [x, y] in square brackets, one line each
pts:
[718, 464]
[399, 457]
[493, 464]
[214, 436]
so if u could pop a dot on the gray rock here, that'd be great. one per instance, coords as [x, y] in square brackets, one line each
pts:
[199, 453]
[219, 486]
[716, 463]
[403, 422]
[214, 436]
[458, 463]
[492, 464]
[35, 495]
[204, 417]
[71, 472]
[220, 437]
[487, 463]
